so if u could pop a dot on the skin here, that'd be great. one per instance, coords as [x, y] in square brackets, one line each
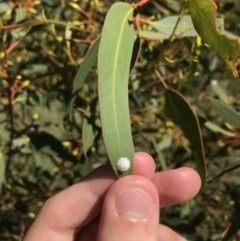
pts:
[101, 207]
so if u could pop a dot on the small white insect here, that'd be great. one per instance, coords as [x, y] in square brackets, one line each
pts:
[123, 164]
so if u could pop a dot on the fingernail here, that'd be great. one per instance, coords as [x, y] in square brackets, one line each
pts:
[135, 203]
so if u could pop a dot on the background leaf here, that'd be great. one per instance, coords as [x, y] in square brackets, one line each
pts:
[227, 114]
[113, 66]
[203, 13]
[219, 91]
[215, 128]
[180, 112]
[90, 129]
[135, 53]
[160, 155]
[20, 15]
[184, 28]
[82, 73]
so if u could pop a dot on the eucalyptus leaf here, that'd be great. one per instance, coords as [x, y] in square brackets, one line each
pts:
[6, 6]
[20, 15]
[219, 91]
[48, 144]
[184, 28]
[165, 143]
[215, 128]
[226, 113]
[114, 61]
[145, 34]
[19, 142]
[180, 112]
[135, 53]
[203, 15]
[81, 75]
[90, 128]
[35, 69]
[86, 168]
[43, 162]
[160, 155]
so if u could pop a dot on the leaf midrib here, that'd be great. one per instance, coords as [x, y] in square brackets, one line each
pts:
[114, 76]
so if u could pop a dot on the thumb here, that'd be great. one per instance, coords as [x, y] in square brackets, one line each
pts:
[130, 211]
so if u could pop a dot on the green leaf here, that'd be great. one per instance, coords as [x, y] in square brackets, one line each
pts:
[86, 168]
[35, 69]
[20, 15]
[184, 28]
[165, 143]
[48, 144]
[18, 142]
[215, 128]
[227, 114]
[113, 67]
[135, 53]
[203, 13]
[160, 155]
[219, 91]
[180, 112]
[90, 129]
[152, 35]
[81, 75]
[44, 162]
[6, 6]
[187, 208]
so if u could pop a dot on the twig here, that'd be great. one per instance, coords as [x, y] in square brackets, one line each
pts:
[160, 78]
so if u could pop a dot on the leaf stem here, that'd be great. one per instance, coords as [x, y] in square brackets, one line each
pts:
[160, 78]
[180, 15]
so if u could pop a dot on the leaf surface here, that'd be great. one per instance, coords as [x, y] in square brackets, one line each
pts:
[180, 112]
[114, 61]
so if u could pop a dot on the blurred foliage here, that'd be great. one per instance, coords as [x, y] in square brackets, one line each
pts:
[42, 45]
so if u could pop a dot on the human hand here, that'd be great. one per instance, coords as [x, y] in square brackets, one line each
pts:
[103, 208]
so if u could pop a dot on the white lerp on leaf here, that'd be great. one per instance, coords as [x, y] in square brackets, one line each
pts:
[123, 164]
